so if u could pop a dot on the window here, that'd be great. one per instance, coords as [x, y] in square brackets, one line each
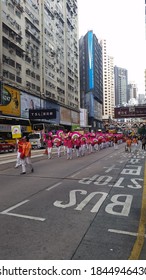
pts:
[18, 79]
[12, 62]
[12, 76]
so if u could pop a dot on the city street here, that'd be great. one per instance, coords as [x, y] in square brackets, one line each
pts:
[83, 209]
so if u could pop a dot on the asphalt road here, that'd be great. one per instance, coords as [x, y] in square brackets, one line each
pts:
[83, 209]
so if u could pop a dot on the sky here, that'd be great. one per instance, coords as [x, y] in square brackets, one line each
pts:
[122, 24]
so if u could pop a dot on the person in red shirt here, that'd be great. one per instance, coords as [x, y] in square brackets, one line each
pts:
[58, 144]
[83, 146]
[89, 144]
[77, 145]
[65, 145]
[69, 147]
[49, 144]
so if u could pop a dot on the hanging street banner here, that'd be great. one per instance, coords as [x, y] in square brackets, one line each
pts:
[42, 114]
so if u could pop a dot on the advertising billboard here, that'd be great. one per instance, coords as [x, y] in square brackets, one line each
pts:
[10, 101]
[90, 61]
[29, 102]
[65, 116]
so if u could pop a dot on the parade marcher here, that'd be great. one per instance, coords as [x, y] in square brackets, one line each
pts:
[26, 155]
[83, 146]
[58, 145]
[143, 143]
[128, 144]
[96, 144]
[49, 144]
[65, 145]
[69, 147]
[77, 146]
[134, 143]
[115, 143]
[19, 151]
[89, 144]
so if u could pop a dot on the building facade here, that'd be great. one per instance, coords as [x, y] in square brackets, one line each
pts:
[145, 80]
[132, 91]
[91, 78]
[121, 86]
[39, 58]
[108, 83]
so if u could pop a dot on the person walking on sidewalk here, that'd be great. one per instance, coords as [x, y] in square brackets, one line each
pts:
[26, 155]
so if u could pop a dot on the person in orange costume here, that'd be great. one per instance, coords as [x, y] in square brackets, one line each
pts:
[26, 155]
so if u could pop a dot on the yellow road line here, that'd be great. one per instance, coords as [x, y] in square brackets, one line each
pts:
[135, 253]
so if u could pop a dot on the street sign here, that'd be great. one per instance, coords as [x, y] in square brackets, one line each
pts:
[16, 131]
[130, 112]
[42, 114]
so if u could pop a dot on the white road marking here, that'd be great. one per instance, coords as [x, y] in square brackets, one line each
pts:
[124, 232]
[7, 212]
[13, 160]
[110, 168]
[75, 174]
[54, 186]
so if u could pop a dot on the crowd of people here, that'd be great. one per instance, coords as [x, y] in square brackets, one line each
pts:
[79, 144]
[75, 144]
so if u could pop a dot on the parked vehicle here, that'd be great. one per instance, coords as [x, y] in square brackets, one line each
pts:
[37, 140]
[6, 147]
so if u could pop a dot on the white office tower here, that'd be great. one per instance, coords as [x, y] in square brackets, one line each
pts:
[108, 83]
[39, 53]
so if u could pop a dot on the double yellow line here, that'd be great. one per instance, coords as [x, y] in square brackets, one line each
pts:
[138, 245]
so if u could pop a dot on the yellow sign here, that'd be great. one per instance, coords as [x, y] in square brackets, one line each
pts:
[16, 131]
[10, 101]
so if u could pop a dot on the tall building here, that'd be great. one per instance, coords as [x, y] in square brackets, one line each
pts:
[108, 83]
[121, 86]
[39, 58]
[132, 91]
[91, 78]
[145, 80]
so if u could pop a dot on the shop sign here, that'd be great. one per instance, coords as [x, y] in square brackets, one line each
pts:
[42, 114]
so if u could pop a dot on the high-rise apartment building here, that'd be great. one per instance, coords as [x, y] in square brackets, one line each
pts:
[108, 83]
[39, 58]
[145, 80]
[132, 91]
[121, 86]
[91, 78]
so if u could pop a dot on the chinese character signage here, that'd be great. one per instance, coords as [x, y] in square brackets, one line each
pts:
[42, 114]
[130, 112]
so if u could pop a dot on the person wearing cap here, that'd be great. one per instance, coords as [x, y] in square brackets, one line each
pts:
[26, 155]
